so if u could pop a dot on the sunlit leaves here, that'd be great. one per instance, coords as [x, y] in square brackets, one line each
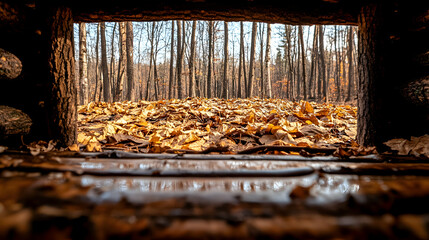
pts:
[198, 124]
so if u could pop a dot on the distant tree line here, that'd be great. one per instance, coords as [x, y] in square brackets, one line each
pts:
[178, 59]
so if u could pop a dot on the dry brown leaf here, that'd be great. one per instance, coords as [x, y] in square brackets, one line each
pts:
[417, 146]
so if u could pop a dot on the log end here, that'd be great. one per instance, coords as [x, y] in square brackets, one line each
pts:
[10, 65]
[13, 122]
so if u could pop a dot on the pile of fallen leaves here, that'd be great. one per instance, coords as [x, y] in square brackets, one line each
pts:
[205, 125]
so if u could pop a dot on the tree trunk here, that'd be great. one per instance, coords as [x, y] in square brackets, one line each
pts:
[304, 82]
[62, 103]
[149, 77]
[261, 60]
[337, 66]
[191, 62]
[112, 63]
[252, 60]
[83, 65]
[243, 57]
[267, 61]
[225, 63]
[171, 79]
[288, 49]
[322, 64]
[122, 61]
[240, 62]
[312, 78]
[209, 70]
[155, 77]
[350, 87]
[130, 60]
[104, 67]
[179, 62]
[97, 66]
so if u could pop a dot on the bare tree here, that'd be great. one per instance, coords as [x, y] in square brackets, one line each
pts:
[97, 66]
[191, 61]
[312, 78]
[106, 82]
[122, 62]
[301, 41]
[252, 60]
[322, 71]
[179, 63]
[130, 60]
[267, 62]
[350, 87]
[151, 40]
[83, 65]
[240, 61]
[225, 63]
[210, 67]
[171, 79]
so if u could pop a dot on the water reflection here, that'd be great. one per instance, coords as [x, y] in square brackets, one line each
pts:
[186, 165]
[246, 185]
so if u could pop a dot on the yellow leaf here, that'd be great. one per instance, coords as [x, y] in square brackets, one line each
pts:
[191, 138]
[74, 148]
[155, 138]
[306, 107]
[273, 111]
[83, 139]
[93, 147]
[251, 117]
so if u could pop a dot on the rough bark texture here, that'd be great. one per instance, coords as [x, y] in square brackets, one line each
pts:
[225, 63]
[104, 67]
[210, 61]
[291, 12]
[10, 65]
[171, 76]
[267, 62]
[180, 52]
[62, 103]
[252, 60]
[122, 62]
[83, 65]
[130, 61]
[390, 43]
[191, 61]
[13, 122]
[368, 24]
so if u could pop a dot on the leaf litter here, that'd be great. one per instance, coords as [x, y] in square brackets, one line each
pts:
[200, 125]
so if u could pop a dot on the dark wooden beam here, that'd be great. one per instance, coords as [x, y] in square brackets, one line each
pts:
[290, 12]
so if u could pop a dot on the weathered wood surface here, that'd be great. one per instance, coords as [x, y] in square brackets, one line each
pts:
[10, 65]
[60, 205]
[13, 122]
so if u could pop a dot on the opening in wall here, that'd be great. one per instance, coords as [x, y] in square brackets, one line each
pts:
[198, 86]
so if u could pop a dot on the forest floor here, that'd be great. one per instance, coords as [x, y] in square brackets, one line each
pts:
[198, 125]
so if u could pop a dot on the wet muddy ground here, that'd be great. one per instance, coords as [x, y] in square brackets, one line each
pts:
[158, 196]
